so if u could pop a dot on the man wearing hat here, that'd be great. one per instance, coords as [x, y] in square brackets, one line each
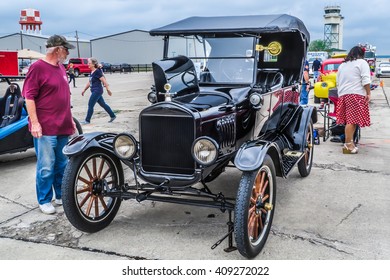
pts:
[47, 95]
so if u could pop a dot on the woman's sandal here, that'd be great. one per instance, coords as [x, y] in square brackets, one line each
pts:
[347, 150]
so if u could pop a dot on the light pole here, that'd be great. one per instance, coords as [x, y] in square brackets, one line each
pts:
[78, 48]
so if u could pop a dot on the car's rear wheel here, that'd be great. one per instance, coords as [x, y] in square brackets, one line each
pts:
[76, 72]
[254, 209]
[306, 162]
[87, 178]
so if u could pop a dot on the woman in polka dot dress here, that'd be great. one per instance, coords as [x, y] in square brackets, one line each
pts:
[353, 82]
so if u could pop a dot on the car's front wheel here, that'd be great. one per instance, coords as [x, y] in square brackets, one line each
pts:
[79, 129]
[87, 178]
[254, 209]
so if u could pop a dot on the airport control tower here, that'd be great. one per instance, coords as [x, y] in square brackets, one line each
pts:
[30, 21]
[333, 27]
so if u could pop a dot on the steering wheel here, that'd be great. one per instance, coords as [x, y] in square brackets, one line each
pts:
[188, 82]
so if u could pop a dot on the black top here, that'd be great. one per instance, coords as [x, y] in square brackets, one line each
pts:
[230, 24]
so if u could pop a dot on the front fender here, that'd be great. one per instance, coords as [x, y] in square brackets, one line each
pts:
[251, 155]
[86, 141]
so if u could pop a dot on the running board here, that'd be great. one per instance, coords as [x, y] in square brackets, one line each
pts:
[289, 159]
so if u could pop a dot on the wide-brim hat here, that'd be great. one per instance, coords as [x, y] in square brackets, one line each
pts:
[58, 41]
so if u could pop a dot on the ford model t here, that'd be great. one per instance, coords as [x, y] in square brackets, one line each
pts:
[225, 94]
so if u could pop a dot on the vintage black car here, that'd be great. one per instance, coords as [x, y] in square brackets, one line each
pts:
[226, 93]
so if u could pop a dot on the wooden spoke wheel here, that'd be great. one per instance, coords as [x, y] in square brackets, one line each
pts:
[87, 179]
[255, 209]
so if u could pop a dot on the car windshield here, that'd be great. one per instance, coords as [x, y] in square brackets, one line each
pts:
[217, 60]
[331, 67]
[384, 64]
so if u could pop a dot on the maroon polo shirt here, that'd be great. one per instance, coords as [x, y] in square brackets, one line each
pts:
[48, 86]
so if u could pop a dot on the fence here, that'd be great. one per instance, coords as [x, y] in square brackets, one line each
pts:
[141, 67]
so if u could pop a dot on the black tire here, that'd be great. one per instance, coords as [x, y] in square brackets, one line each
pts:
[306, 162]
[79, 129]
[86, 177]
[78, 126]
[316, 99]
[76, 72]
[254, 210]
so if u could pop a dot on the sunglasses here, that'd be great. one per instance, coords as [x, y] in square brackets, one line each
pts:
[66, 49]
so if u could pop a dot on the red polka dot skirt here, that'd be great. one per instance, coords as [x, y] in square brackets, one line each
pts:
[353, 109]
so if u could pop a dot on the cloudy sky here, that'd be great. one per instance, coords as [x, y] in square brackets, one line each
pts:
[364, 21]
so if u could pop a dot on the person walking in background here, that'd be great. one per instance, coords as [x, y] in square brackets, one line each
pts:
[71, 74]
[47, 94]
[353, 83]
[316, 69]
[304, 97]
[96, 79]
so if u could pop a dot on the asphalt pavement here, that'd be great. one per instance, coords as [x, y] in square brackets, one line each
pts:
[340, 212]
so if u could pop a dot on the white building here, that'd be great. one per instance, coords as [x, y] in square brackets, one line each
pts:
[19, 41]
[133, 47]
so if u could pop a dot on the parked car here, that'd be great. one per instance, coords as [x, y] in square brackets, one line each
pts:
[383, 70]
[116, 68]
[14, 134]
[232, 101]
[80, 66]
[106, 67]
[327, 79]
[125, 67]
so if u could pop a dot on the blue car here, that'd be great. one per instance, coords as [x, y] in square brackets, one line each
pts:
[14, 134]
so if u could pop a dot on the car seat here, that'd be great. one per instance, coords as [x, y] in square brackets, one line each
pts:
[270, 80]
[11, 105]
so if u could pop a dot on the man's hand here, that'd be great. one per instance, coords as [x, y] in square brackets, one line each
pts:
[36, 130]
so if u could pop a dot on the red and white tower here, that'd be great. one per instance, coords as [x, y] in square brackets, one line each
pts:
[30, 21]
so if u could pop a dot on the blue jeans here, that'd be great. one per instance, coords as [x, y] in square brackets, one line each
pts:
[97, 98]
[315, 75]
[51, 163]
[304, 98]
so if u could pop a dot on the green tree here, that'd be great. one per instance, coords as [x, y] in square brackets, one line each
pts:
[318, 45]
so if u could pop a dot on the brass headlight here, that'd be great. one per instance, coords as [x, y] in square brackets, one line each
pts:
[205, 150]
[125, 146]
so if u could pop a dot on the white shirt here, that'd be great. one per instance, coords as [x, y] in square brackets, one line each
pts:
[352, 76]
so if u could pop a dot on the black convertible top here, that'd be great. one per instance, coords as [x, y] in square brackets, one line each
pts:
[234, 24]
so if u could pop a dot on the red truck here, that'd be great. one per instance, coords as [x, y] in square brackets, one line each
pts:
[9, 63]
[80, 66]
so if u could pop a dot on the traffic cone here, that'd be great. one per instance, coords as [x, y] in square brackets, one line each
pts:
[381, 84]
